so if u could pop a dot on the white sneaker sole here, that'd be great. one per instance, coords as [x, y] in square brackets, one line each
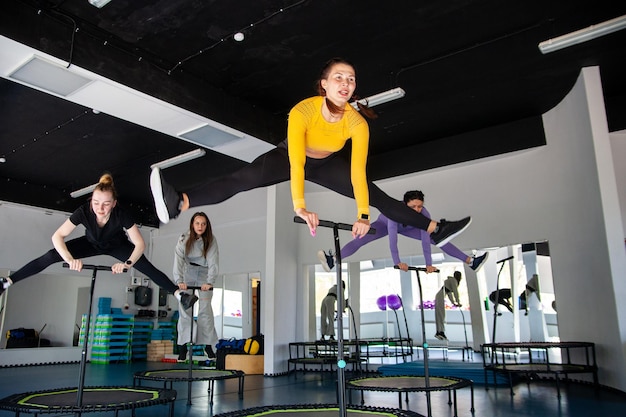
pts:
[453, 235]
[157, 196]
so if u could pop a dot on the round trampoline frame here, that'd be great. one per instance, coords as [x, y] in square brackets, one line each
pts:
[318, 410]
[169, 376]
[411, 383]
[94, 399]
[82, 399]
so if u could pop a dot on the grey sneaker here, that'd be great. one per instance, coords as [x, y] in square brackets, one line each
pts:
[327, 260]
[166, 198]
[479, 261]
[446, 231]
[187, 300]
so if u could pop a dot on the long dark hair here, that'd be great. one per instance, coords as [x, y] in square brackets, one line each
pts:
[207, 236]
[363, 108]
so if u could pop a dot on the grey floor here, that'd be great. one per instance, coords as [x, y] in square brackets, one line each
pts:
[537, 399]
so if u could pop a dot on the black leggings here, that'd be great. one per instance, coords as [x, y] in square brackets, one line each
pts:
[332, 172]
[80, 248]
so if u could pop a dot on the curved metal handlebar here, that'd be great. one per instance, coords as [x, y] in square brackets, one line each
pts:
[327, 223]
[416, 268]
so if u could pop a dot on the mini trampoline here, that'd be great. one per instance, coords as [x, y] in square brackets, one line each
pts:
[169, 376]
[87, 399]
[318, 410]
[94, 399]
[410, 383]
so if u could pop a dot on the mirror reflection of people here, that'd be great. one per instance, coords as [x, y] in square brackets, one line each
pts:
[196, 264]
[385, 226]
[327, 311]
[451, 289]
[318, 128]
[532, 287]
[504, 298]
[109, 230]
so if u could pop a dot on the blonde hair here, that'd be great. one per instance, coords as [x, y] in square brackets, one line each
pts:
[105, 184]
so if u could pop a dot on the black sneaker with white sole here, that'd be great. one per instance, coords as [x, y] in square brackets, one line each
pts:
[166, 199]
[187, 300]
[327, 260]
[441, 336]
[479, 261]
[446, 231]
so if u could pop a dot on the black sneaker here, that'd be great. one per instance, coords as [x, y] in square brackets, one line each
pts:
[327, 260]
[446, 231]
[187, 300]
[209, 352]
[478, 262]
[441, 336]
[166, 198]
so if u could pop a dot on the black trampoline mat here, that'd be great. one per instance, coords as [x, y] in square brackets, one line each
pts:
[91, 396]
[403, 382]
[183, 374]
[318, 410]
[542, 367]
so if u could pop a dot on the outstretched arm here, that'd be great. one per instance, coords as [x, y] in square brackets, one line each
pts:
[58, 241]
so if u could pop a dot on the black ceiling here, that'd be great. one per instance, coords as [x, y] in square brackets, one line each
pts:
[476, 84]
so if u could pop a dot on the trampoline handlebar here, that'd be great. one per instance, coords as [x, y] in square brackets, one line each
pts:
[195, 287]
[416, 268]
[93, 267]
[327, 223]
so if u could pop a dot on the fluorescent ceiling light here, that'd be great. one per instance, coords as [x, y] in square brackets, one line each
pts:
[583, 35]
[196, 153]
[99, 3]
[125, 103]
[49, 77]
[381, 98]
[209, 136]
[83, 191]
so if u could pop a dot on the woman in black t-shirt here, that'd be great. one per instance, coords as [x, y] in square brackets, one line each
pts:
[109, 230]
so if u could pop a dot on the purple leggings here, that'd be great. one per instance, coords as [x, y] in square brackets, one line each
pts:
[381, 231]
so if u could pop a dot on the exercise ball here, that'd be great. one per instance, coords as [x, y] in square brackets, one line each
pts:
[381, 302]
[394, 302]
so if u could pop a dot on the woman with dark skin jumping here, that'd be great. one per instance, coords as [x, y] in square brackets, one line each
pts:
[318, 129]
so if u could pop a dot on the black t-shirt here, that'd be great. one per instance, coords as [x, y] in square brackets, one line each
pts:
[112, 234]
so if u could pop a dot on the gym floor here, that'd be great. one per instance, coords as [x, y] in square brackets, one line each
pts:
[537, 399]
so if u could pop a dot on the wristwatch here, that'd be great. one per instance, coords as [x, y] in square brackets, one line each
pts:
[129, 262]
[365, 216]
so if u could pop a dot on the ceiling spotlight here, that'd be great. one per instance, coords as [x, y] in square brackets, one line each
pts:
[99, 3]
[583, 35]
[2, 160]
[238, 36]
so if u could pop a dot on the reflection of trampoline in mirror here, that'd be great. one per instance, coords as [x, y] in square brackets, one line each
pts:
[81, 399]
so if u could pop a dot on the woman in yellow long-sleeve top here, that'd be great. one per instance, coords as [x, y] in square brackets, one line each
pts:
[318, 128]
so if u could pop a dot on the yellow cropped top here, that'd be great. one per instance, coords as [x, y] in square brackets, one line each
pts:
[307, 128]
